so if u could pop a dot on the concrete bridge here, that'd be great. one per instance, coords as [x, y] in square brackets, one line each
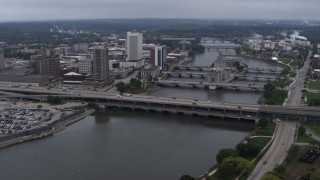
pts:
[254, 76]
[175, 105]
[187, 74]
[261, 70]
[211, 85]
[205, 74]
[194, 68]
[206, 45]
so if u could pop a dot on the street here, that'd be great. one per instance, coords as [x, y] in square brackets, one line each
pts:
[276, 154]
[294, 98]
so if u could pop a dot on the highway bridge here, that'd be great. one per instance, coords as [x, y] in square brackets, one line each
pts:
[261, 70]
[205, 74]
[234, 86]
[217, 46]
[187, 74]
[196, 68]
[254, 76]
[173, 105]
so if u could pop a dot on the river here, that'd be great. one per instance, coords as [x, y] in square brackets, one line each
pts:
[123, 145]
[222, 95]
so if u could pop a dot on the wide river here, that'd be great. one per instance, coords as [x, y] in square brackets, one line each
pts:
[123, 145]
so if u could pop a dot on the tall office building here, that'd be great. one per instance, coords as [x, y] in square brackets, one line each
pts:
[48, 66]
[100, 64]
[2, 63]
[134, 46]
[85, 64]
[158, 56]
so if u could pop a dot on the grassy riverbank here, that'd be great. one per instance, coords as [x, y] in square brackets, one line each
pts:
[313, 99]
[259, 139]
[314, 85]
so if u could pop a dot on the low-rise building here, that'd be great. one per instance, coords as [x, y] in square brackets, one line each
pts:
[151, 72]
[136, 64]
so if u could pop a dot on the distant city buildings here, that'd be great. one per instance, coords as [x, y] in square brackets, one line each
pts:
[257, 42]
[80, 48]
[100, 64]
[178, 42]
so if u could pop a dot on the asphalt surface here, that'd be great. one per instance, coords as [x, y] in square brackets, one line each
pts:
[276, 154]
[294, 98]
[313, 135]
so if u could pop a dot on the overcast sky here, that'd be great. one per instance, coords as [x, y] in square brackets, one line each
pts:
[88, 9]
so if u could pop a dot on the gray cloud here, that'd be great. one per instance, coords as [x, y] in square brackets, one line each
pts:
[80, 9]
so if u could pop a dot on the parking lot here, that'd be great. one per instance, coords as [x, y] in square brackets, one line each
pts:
[13, 120]
[310, 156]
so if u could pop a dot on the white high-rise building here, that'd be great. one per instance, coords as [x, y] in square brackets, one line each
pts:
[2, 63]
[85, 64]
[134, 46]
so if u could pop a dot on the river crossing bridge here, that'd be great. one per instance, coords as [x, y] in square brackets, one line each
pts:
[234, 86]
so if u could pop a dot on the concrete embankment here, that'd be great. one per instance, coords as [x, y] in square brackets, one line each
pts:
[61, 125]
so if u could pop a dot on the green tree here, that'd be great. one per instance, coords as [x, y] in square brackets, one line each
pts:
[191, 53]
[121, 87]
[54, 99]
[302, 130]
[224, 153]
[135, 83]
[118, 76]
[269, 87]
[226, 172]
[232, 166]
[263, 122]
[248, 150]
[93, 105]
[149, 78]
[187, 177]
[271, 176]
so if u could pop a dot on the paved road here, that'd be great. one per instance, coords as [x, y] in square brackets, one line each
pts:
[313, 135]
[294, 98]
[276, 154]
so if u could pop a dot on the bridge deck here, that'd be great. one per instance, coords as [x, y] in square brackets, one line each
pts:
[195, 83]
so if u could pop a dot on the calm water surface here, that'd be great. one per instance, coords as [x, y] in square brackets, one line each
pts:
[123, 145]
